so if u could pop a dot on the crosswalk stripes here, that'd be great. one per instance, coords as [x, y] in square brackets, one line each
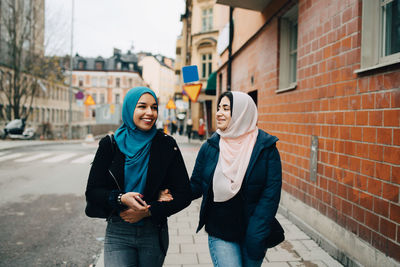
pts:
[10, 156]
[84, 159]
[34, 157]
[59, 158]
[46, 157]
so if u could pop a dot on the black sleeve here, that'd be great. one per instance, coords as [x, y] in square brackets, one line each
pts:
[98, 192]
[178, 184]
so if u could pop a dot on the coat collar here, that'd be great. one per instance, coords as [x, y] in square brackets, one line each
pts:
[264, 140]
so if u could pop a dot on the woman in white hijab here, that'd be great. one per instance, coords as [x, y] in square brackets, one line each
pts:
[238, 172]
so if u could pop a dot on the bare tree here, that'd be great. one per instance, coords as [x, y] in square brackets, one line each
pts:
[22, 55]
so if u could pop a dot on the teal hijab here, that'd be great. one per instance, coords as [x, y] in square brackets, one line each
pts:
[134, 143]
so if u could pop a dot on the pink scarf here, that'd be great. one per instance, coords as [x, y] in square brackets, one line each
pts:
[236, 146]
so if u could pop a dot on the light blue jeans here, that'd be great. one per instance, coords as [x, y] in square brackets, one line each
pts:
[133, 245]
[229, 254]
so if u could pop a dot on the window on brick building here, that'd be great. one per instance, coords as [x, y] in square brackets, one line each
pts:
[288, 50]
[117, 98]
[207, 19]
[380, 33]
[102, 98]
[117, 82]
[206, 65]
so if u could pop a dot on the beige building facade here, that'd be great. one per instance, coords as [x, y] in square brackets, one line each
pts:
[158, 74]
[197, 45]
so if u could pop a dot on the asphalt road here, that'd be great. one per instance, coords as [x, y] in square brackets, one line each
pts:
[42, 203]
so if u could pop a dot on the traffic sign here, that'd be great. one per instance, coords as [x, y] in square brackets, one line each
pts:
[170, 104]
[79, 95]
[192, 90]
[89, 101]
[190, 74]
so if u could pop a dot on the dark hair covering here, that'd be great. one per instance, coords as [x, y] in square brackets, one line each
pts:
[229, 95]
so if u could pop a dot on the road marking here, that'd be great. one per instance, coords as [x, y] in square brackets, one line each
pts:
[84, 159]
[11, 156]
[34, 157]
[59, 158]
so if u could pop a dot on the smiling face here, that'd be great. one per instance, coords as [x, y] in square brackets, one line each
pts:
[145, 114]
[223, 114]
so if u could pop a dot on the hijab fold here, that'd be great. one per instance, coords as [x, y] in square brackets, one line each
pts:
[134, 143]
[236, 146]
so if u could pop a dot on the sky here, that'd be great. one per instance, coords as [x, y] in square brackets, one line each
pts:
[102, 25]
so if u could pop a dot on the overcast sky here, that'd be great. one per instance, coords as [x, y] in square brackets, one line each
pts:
[101, 25]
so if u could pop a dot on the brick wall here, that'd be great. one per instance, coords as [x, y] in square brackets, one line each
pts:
[355, 117]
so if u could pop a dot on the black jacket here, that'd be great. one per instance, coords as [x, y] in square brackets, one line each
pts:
[166, 170]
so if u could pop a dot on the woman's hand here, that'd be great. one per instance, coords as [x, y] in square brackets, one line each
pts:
[165, 195]
[133, 200]
[132, 216]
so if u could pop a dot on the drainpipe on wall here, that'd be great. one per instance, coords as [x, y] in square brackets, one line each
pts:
[229, 78]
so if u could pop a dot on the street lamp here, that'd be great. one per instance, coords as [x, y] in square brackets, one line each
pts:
[70, 75]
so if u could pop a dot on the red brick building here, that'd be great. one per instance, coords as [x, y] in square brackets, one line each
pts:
[328, 70]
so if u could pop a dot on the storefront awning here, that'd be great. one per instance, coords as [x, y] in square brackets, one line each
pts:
[211, 88]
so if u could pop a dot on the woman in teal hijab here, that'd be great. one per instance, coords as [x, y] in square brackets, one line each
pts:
[135, 141]
[125, 182]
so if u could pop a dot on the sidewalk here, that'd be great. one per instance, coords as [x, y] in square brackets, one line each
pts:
[188, 249]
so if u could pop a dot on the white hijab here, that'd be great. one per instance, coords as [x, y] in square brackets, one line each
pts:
[236, 146]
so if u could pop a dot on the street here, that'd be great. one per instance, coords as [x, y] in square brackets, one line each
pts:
[42, 203]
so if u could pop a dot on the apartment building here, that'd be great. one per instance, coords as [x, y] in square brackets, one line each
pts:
[106, 81]
[326, 78]
[44, 103]
[197, 45]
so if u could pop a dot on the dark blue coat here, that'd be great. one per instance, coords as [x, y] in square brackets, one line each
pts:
[261, 188]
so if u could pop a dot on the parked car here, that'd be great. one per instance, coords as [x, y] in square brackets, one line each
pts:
[15, 129]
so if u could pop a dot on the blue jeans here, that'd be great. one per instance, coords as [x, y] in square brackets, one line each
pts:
[133, 245]
[229, 254]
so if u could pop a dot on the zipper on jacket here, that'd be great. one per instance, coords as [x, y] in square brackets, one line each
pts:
[115, 180]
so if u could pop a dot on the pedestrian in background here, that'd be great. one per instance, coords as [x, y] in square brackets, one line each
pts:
[238, 172]
[125, 180]
[202, 129]
[189, 126]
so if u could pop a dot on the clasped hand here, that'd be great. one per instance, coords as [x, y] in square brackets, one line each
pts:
[138, 208]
